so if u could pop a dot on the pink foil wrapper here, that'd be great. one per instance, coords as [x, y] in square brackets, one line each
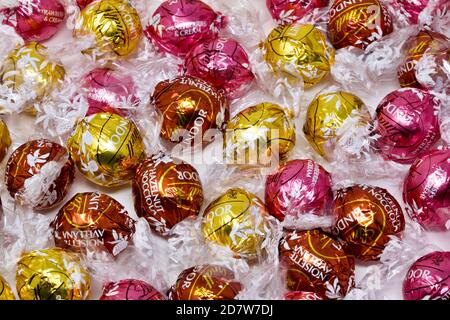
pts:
[408, 125]
[428, 278]
[83, 3]
[299, 187]
[178, 25]
[410, 8]
[130, 289]
[222, 62]
[35, 20]
[426, 190]
[109, 91]
[290, 11]
[302, 295]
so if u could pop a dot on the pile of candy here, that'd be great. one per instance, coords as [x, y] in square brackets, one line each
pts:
[256, 164]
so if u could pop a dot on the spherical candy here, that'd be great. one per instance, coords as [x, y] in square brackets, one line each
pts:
[5, 290]
[299, 51]
[298, 187]
[39, 174]
[408, 125]
[316, 262]
[416, 47]
[178, 25]
[411, 8]
[302, 295]
[106, 148]
[326, 114]
[130, 289]
[107, 90]
[426, 190]
[92, 221]
[35, 20]
[205, 282]
[368, 217]
[51, 274]
[259, 131]
[289, 11]
[5, 139]
[28, 69]
[358, 23]
[190, 107]
[115, 24]
[236, 220]
[428, 278]
[223, 63]
[166, 191]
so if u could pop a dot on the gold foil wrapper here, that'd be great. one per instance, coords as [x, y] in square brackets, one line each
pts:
[257, 132]
[28, 69]
[237, 220]
[114, 23]
[5, 139]
[299, 51]
[326, 114]
[5, 290]
[51, 274]
[107, 148]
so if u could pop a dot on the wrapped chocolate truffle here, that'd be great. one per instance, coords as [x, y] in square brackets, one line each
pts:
[92, 221]
[35, 20]
[326, 114]
[302, 295]
[190, 107]
[130, 289]
[107, 148]
[367, 218]
[299, 51]
[39, 174]
[299, 187]
[205, 282]
[5, 290]
[316, 262]
[166, 191]
[428, 278]
[236, 220]
[5, 139]
[258, 133]
[426, 190]
[223, 63]
[51, 274]
[289, 11]
[177, 26]
[410, 9]
[116, 26]
[408, 125]
[358, 23]
[107, 90]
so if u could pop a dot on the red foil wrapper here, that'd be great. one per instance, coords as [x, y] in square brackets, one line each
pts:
[367, 219]
[426, 190]
[130, 289]
[83, 3]
[205, 282]
[358, 23]
[416, 47]
[316, 262]
[428, 278]
[290, 11]
[35, 20]
[299, 187]
[190, 107]
[223, 63]
[93, 221]
[302, 295]
[166, 192]
[39, 174]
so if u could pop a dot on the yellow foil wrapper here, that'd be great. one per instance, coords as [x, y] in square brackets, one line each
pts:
[51, 274]
[299, 51]
[5, 290]
[107, 148]
[5, 139]
[237, 220]
[253, 135]
[28, 69]
[115, 24]
[326, 114]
